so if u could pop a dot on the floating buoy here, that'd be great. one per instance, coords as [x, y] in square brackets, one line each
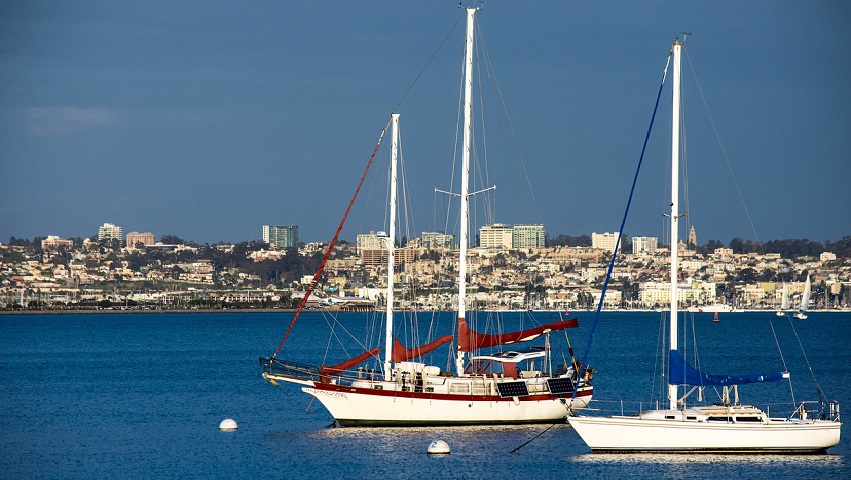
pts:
[228, 424]
[438, 447]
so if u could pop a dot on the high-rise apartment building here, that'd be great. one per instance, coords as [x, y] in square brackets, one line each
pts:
[281, 236]
[528, 236]
[108, 231]
[497, 235]
[644, 245]
[605, 241]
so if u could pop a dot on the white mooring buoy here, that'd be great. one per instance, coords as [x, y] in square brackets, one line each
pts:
[438, 447]
[228, 424]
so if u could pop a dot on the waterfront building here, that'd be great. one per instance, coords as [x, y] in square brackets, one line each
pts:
[644, 245]
[528, 236]
[135, 238]
[108, 231]
[281, 236]
[605, 241]
[497, 235]
[689, 292]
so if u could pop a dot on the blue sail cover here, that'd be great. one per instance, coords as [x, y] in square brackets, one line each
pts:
[681, 373]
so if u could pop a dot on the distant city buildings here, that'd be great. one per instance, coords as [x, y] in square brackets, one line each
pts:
[528, 236]
[646, 245]
[108, 231]
[52, 242]
[281, 236]
[605, 241]
[371, 241]
[692, 238]
[435, 240]
[827, 257]
[498, 235]
[89, 277]
[135, 238]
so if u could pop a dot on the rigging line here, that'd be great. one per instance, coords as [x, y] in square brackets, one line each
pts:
[685, 164]
[783, 360]
[822, 398]
[439, 48]
[508, 134]
[658, 364]
[623, 223]
[724, 152]
[536, 436]
[339, 341]
[332, 244]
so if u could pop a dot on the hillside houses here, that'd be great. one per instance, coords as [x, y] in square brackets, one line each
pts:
[252, 275]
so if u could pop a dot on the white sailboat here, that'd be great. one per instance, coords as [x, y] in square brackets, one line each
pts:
[784, 301]
[724, 427]
[503, 387]
[805, 300]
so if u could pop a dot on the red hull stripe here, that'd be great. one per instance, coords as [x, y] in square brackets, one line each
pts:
[441, 396]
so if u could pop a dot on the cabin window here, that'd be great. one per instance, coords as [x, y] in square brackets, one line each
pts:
[691, 418]
[670, 417]
[748, 419]
[459, 388]
[718, 419]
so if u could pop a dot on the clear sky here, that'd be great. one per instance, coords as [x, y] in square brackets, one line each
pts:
[208, 119]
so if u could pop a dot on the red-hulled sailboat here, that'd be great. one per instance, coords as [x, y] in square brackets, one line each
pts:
[497, 384]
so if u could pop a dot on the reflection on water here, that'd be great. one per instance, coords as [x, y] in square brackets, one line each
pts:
[810, 461]
[645, 465]
[141, 396]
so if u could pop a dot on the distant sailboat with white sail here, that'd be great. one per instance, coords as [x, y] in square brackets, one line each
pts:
[805, 300]
[784, 302]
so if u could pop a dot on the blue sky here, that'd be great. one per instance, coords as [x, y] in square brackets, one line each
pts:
[206, 120]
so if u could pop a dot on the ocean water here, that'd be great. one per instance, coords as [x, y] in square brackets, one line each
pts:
[141, 396]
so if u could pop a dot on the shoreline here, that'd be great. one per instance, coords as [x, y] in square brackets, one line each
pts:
[293, 310]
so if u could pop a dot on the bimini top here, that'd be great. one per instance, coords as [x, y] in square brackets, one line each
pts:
[514, 356]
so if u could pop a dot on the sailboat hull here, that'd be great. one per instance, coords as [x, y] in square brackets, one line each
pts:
[352, 406]
[634, 434]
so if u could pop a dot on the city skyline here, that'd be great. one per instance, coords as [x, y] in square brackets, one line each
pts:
[206, 122]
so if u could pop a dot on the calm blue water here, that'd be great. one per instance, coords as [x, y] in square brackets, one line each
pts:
[141, 396]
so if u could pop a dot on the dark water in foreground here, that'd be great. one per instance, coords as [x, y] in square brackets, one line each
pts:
[141, 396]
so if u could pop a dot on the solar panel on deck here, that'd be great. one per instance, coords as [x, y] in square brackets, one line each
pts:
[560, 385]
[512, 389]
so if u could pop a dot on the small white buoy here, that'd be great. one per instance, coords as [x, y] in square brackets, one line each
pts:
[438, 447]
[228, 424]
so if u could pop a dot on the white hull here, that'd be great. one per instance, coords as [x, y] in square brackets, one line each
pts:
[368, 407]
[634, 434]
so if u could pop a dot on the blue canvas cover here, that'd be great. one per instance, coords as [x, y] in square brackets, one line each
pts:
[681, 373]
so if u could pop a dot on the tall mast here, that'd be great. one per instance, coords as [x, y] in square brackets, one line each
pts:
[675, 200]
[465, 173]
[391, 240]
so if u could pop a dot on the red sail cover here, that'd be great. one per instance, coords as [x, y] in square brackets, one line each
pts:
[402, 353]
[342, 367]
[468, 340]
